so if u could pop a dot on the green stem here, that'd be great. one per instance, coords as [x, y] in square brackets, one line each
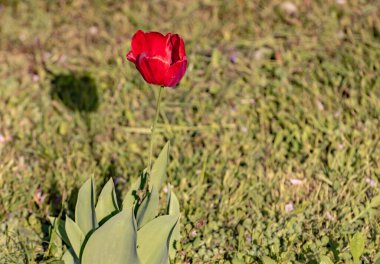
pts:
[153, 129]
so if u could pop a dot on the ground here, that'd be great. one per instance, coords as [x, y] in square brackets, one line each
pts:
[274, 129]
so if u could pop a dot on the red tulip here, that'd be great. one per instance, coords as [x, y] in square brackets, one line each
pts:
[160, 59]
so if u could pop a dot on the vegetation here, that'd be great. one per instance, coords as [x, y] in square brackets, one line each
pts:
[274, 129]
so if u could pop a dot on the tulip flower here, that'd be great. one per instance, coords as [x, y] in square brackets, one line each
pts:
[160, 59]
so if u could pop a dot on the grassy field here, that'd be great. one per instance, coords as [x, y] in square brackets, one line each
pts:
[275, 128]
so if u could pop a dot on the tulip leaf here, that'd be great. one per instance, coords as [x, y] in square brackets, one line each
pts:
[153, 240]
[148, 209]
[129, 199]
[158, 174]
[69, 257]
[173, 204]
[59, 228]
[173, 209]
[107, 202]
[85, 215]
[74, 234]
[114, 242]
[357, 246]
[156, 179]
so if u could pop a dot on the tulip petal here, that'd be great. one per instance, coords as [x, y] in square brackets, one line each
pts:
[131, 57]
[158, 45]
[178, 50]
[176, 72]
[138, 46]
[153, 69]
[154, 44]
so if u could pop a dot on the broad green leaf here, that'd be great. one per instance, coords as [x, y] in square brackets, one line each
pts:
[325, 260]
[153, 240]
[69, 257]
[59, 228]
[173, 204]
[357, 246]
[74, 234]
[85, 215]
[268, 260]
[158, 173]
[148, 209]
[114, 242]
[173, 209]
[107, 202]
[129, 199]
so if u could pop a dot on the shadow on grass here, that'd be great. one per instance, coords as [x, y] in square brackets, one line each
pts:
[77, 91]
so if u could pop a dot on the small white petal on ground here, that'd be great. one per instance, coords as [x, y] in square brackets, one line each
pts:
[296, 181]
[289, 207]
[289, 7]
[329, 216]
[371, 182]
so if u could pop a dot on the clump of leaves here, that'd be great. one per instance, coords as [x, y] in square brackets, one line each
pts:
[103, 232]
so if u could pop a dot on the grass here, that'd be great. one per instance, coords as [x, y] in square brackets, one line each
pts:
[273, 94]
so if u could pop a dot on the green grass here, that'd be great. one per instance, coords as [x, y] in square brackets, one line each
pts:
[301, 102]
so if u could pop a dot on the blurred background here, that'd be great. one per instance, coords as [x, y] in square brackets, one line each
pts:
[274, 129]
